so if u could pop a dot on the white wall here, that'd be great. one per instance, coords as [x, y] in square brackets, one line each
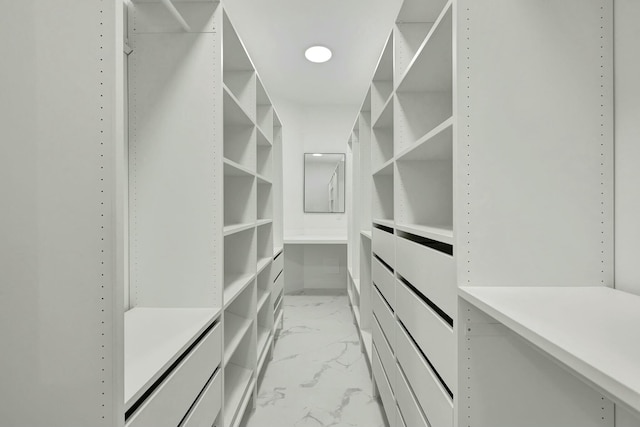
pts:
[627, 169]
[311, 129]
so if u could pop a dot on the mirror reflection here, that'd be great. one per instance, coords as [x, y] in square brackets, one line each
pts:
[324, 176]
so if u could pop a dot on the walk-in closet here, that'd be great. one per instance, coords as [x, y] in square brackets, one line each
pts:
[365, 213]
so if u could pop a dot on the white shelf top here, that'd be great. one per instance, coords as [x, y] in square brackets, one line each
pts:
[236, 113]
[235, 329]
[263, 296]
[263, 263]
[385, 222]
[435, 145]
[263, 139]
[153, 339]
[263, 179]
[236, 382]
[232, 168]
[234, 284]
[277, 250]
[236, 228]
[316, 239]
[263, 356]
[386, 169]
[263, 338]
[590, 330]
[440, 234]
[366, 233]
[263, 222]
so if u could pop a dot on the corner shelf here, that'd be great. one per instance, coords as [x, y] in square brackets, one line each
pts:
[582, 328]
[154, 338]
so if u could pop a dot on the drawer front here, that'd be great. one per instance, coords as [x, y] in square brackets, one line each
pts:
[385, 317]
[385, 353]
[434, 336]
[386, 395]
[431, 272]
[409, 410]
[207, 408]
[384, 246]
[399, 419]
[432, 397]
[385, 281]
[170, 402]
[277, 266]
[278, 286]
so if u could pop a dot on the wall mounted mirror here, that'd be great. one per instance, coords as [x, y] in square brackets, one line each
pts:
[324, 175]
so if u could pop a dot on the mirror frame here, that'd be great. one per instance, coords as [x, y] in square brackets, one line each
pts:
[304, 186]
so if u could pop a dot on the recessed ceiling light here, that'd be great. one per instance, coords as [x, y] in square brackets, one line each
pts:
[318, 54]
[317, 155]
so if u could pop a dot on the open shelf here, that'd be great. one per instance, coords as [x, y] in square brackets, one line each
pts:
[382, 197]
[382, 84]
[265, 201]
[239, 261]
[382, 137]
[265, 242]
[424, 98]
[238, 72]
[582, 328]
[262, 222]
[263, 338]
[263, 297]
[237, 384]
[263, 263]
[435, 145]
[384, 169]
[236, 329]
[264, 165]
[236, 228]
[366, 233]
[264, 113]
[234, 284]
[414, 21]
[263, 355]
[154, 338]
[424, 184]
[239, 135]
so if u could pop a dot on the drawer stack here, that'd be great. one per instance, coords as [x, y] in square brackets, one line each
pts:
[187, 393]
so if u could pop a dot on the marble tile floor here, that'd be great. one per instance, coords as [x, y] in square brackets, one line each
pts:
[318, 376]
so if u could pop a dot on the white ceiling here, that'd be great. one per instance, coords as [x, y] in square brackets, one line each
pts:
[277, 32]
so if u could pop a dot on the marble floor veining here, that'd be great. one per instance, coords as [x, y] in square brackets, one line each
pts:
[318, 376]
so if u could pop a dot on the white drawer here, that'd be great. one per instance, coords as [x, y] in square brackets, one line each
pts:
[385, 353]
[386, 395]
[433, 273]
[399, 420]
[385, 317]
[207, 408]
[385, 281]
[170, 402]
[409, 409]
[278, 285]
[277, 266]
[383, 245]
[434, 336]
[432, 397]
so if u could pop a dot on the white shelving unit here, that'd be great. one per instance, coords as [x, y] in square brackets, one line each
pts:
[168, 216]
[479, 102]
